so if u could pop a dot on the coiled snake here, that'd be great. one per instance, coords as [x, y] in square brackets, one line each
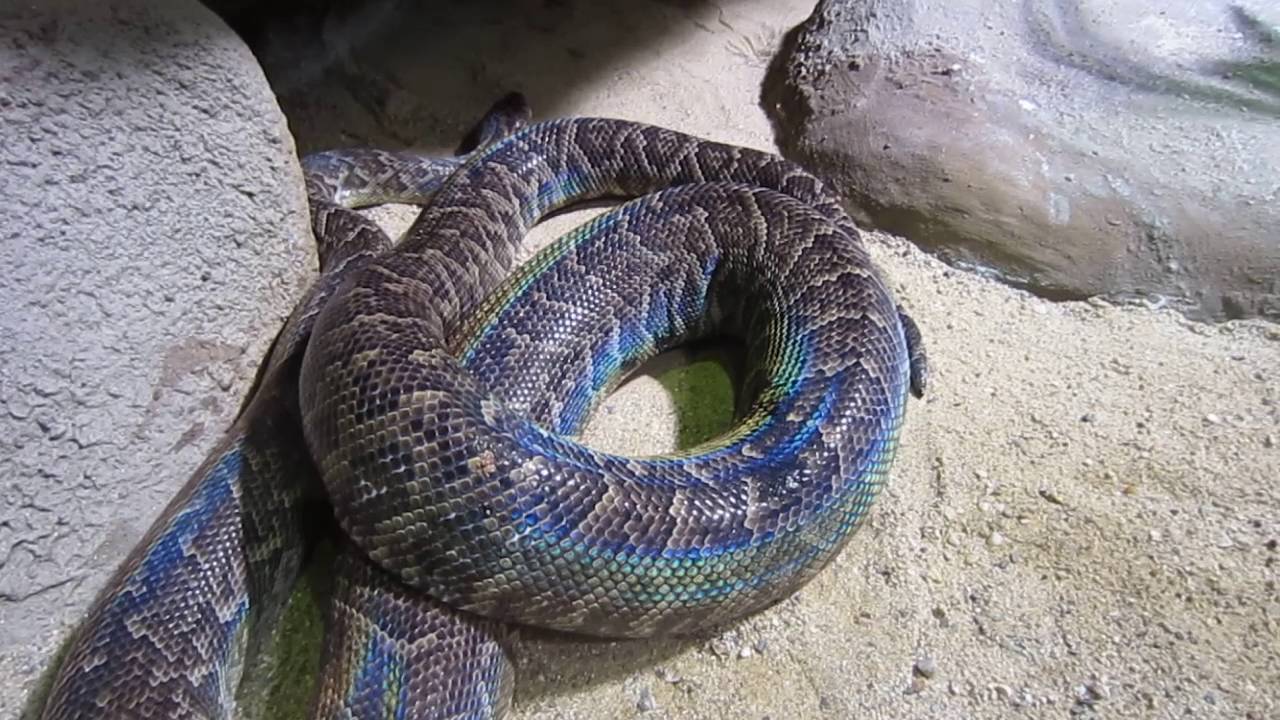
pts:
[436, 406]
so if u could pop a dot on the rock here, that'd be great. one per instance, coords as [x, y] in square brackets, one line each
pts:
[1018, 163]
[1049, 495]
[940, 614]
[1001, 691]
[724, 647]
[1091, 693]
[667, 675]
[925, 667]
[154, 237]
[646, 702]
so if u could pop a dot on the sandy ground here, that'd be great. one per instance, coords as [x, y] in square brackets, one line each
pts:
[1082, 517]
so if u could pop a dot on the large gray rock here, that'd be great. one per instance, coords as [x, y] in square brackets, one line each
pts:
[1076, 147]
[154, 236]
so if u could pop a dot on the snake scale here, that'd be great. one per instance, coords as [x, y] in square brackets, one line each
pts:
[431, 402]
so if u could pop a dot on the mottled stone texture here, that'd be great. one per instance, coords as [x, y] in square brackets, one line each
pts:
[1076, 147]
[154, 236]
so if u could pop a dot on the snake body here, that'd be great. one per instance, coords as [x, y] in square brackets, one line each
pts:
[437, 406]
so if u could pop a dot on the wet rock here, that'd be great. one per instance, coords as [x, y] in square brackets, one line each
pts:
[1072, 148]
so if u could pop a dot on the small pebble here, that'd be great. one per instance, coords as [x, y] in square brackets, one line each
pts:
[1051, 496]
[915, 687]
[745, 653]
[1269, 441]
[1088, 417]
[646, 703]
[667, 675]
[1213, 419]
[1090, 693]
[996, 539]
[761, 645]
[925, 667]
[722, 648]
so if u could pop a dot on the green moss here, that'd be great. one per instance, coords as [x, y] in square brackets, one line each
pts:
[40, 693]
[1263, 75]
[703, 394]
[295, 663]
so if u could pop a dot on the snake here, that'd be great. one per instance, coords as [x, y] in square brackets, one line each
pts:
[430, 401]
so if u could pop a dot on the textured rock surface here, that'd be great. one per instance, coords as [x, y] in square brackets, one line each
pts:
[1076, 147]
[154, 235]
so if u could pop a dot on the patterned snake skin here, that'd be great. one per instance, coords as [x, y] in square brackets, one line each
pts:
[437, 405]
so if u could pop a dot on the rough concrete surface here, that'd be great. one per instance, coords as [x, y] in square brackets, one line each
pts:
[154, 236]
[1076, 147]
[1082, 519]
